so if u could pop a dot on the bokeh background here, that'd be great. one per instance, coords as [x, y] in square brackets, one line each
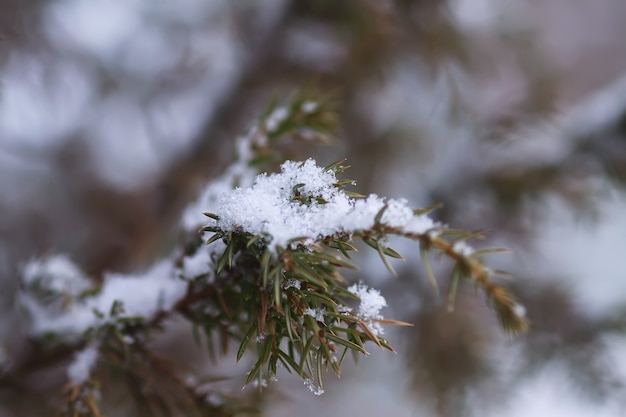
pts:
[512, 113]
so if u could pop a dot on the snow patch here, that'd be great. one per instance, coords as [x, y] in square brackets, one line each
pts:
[371, 304]
[141, 295]
[273, 206]
[78, 372]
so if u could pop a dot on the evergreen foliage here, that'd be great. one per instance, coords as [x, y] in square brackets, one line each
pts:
[252, 280]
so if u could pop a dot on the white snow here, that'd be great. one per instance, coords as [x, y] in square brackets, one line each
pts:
[57, 273]
[462, 248]
[274, 120]
[316, 313]
[422, 224]
[142, 295]
[268, 207]
[313, 387]
[371, 304]
[519, 310]
[79, 370]
[371, 301]
[292, 283]
[397, 214]
[200, 262]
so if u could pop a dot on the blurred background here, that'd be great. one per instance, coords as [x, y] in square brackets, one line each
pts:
[512, 113]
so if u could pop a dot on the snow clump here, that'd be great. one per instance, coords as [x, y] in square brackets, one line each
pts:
[269, 207]
[371, 304]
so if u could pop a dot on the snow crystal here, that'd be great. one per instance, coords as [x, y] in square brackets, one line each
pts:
[371, 301]
[262, 384]
[316, 313]
[462, 248]
[292, 283]
[371, 304]
[78, 372]
[270, 207]
[314, 388]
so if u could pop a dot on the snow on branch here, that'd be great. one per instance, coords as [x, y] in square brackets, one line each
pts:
[300, 119]
[298, 225]
[303, 204]
[268, 275]
[71, 311]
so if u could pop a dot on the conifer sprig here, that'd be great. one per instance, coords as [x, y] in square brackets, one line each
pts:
[298, 294]
[268, 278]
